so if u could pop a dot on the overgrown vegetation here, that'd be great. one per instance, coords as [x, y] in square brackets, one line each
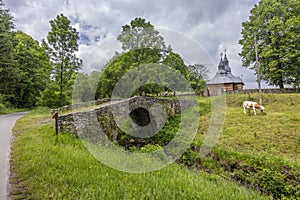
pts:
[49, 167]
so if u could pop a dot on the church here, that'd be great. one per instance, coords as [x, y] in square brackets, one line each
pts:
[224, 80]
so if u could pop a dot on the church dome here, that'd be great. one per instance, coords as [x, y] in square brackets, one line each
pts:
[226, 64]
[227, 69]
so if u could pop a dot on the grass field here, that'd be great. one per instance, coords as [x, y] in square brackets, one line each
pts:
[275, 132]
[261, 151]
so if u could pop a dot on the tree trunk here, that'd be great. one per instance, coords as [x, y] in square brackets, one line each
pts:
[281, 85]
[61, 86]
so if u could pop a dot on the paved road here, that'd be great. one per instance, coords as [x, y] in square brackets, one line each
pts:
[6, 124]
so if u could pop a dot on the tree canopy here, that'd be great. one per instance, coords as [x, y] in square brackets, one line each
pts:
[276, 26]
[33, 69]
[24, 65]
[8, 71]
[140, 34]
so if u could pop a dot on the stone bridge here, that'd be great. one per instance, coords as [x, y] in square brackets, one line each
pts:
[144, 112]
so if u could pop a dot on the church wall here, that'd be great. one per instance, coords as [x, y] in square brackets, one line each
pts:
[238, 86]
[215, 90]
[228, 87]
[218, 89]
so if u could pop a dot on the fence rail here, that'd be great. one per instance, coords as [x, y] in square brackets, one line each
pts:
[266, 91]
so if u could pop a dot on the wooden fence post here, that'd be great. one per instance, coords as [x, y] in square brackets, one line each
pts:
[55, 116]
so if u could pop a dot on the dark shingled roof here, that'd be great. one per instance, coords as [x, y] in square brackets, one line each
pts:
[224, 74]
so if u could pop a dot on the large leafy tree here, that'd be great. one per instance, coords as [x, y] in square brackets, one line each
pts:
[276, 26]
[142, 44]
[33, 70]
[62, 46]
[8, 72]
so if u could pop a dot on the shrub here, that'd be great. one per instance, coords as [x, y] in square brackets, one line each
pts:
[273, 182]
[2, 108]
[50, 97]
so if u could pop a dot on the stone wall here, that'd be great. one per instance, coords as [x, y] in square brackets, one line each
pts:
[70, 108]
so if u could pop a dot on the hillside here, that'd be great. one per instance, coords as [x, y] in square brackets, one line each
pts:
[275, 132]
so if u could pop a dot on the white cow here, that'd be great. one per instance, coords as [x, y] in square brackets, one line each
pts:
[252, 105]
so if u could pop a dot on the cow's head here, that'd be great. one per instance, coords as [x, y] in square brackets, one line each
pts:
[262, 108]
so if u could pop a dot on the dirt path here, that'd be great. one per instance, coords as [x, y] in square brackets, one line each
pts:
[6, 124]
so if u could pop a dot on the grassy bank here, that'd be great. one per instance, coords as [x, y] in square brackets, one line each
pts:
[49, 167]
[262, 151]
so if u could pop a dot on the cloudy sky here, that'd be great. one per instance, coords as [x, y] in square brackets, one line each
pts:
[198, 29]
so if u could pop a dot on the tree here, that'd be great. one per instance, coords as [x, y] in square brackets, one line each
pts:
[276, 26]
[8, 72]
[62, 45]
[142, 44]
[33, 69]
[198, 76]
[139, 35]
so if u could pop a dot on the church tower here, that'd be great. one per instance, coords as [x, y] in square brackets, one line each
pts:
[224, 80]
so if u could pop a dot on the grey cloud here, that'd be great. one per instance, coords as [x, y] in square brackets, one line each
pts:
[15, 4]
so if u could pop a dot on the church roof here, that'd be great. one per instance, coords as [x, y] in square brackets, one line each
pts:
[224, 74]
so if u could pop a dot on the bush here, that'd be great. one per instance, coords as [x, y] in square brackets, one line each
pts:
[273, 182]
[2, 108]
[50, 97]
